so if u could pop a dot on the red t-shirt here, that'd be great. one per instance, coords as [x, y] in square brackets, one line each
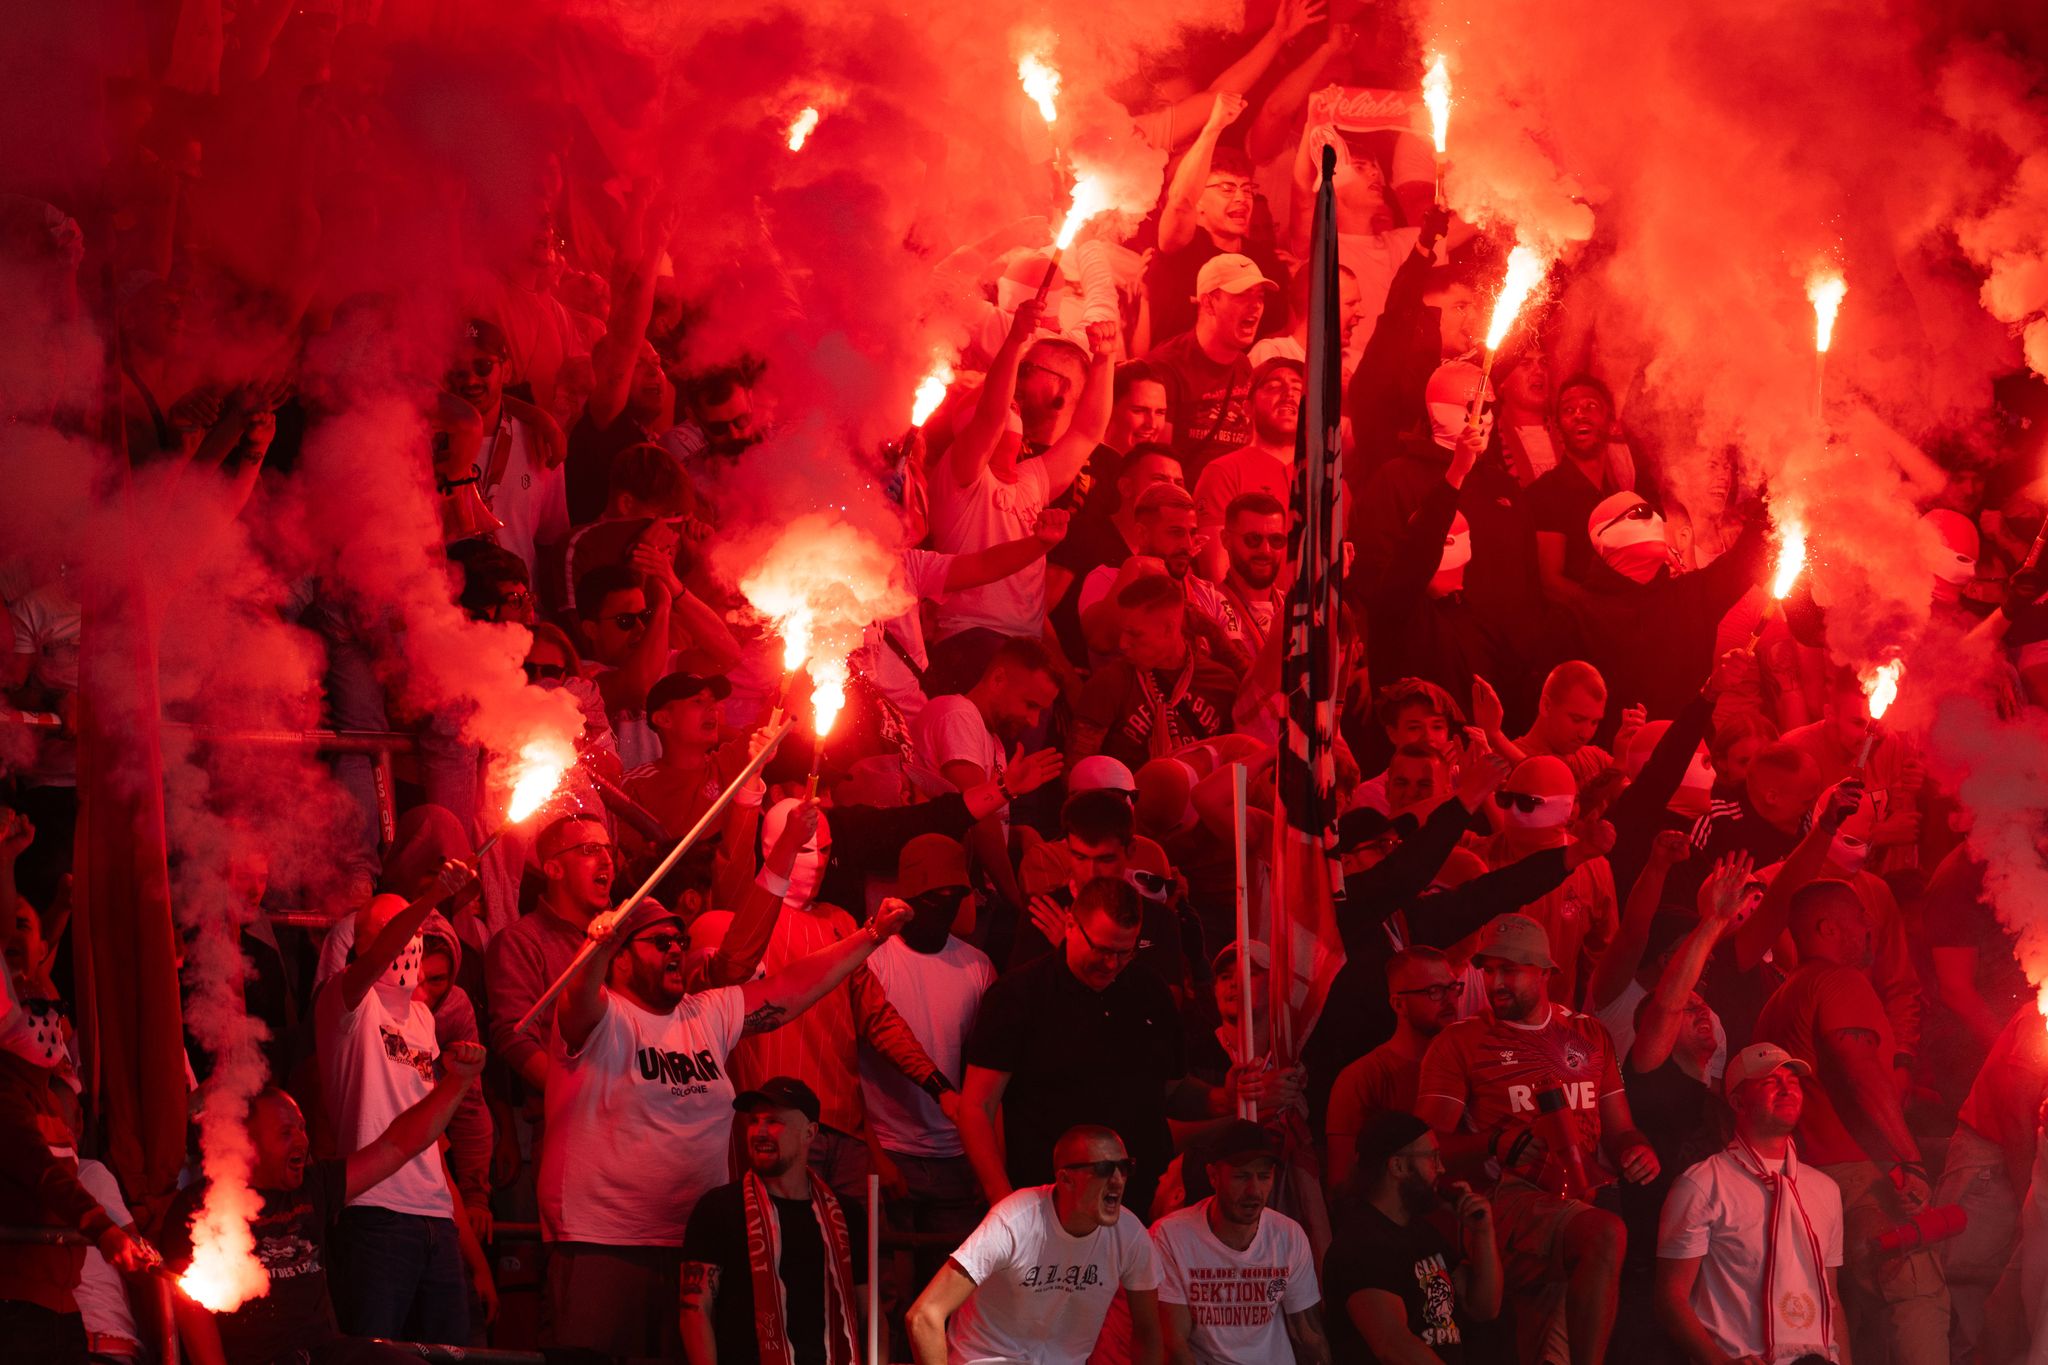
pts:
[1494, 1069]
[2004, 1104]
[1820, 999]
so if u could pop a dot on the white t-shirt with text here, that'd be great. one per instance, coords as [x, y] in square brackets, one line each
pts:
[639, 1121]
[1238, 1300]
[1041, 1293]
[376, 1062]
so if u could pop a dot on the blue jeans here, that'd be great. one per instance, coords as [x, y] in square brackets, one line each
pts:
[402, 1277]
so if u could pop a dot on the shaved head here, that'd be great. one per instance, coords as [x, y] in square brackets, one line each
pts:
[1086, 1142]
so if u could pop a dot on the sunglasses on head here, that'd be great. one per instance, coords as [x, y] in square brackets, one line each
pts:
[1525, 802]
[545, 672]
[1103, 1170]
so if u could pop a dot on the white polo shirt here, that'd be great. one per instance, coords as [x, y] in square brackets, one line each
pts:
[1720, 1211]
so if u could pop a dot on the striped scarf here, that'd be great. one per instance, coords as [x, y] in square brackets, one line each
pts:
[764, 1257]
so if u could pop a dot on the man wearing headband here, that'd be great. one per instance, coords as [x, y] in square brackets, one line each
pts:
[1853, 1126]
[1538, 1086]
[1750, 1244]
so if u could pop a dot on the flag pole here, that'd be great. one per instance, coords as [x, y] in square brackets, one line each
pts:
[1246, 1041]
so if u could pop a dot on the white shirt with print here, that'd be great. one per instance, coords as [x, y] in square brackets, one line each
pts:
[986, 513]
[639, 1121]
[1041, 1293]
[376, 1062]
[1238, 1301]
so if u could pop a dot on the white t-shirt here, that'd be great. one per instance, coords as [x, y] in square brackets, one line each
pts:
[1040, 1293]
[1719, 1210]
[938, 995]
[925, 572]
[950, 730]
[986, 513]
[376, 1062]
[102, 1299]
[639, 1121]
[1373, 257]
[530, 498]
[1238, 1299]
[1618, 1016]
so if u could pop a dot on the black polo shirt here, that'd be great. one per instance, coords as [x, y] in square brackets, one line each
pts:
[1076, 1055]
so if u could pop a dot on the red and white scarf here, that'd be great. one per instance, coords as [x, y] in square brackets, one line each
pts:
[764, 1258]
[1777, 1184]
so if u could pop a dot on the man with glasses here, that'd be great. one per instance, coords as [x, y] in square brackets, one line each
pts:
[575, 859]
[1254, 540]
[640, 623]
[639, 1112]
[1207, 369]
[1425, 995]
[1035, 1281]
[1264, 466]
[1399, 1289]
[1208, 210]
[1536, 1087]
[935, 982]
[685, 711]
[1082, 1035]
[1098, 829]
[1535, 807]
[1165, 546]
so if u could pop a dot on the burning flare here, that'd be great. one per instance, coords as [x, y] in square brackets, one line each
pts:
[1825, 288]
[1436, 97]
[802, 127]
[540, 766]
[1041, 81]
[1791, 558]
[1091, 197]
[1526, 268]
[931, 391]
[1881, 685]
[828, 694]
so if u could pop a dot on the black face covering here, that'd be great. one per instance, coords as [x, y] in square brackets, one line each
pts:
[931, 918]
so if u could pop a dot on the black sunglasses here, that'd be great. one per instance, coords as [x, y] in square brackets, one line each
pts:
[1443, 990]
[1525, 802]
[550, 672]
[1103, 1170]
[661, 943]
[626, 620]
[1150, 884]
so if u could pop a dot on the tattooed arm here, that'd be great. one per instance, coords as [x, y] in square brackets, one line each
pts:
[773, 1002]
[700, 1295]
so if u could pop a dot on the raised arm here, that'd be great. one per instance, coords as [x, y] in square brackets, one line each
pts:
[1177, 213]
[1720, 898]
[417, 1129]
[650, 220]
[1281, 110]
[971, 449]
[1069, 455]
[1617, 966]
[773, 1002]
[369, 963]
[747, 935]
[1760, 932]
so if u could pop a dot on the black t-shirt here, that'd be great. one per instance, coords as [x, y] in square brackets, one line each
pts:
[591, 452]
[1092, 542]
[291, 1241]
[1170, 285]
[717, 1235]
[1117, 699]
[1676, 1112]
[1413, 1263]
[1210, 404]
[1076, 1055]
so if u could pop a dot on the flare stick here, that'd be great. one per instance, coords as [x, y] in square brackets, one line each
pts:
[683, 845]
[1246, 1109]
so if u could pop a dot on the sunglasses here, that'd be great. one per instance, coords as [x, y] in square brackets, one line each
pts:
[661, 943]
[1151, 884]
[1436, 994]
[547, 672]
[1103, 1170]
[1252, 540]
[1107, 954]
[1640, 512]
[629, 620]
[1525, 802]
[518, 597]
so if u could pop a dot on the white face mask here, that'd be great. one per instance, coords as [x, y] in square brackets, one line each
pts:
[34, 1035]
[404, 971]
[1633, 544]
[1696, 789]
[808, 872]
[1450, 570]
[805, 877]
[1848, 852]
[1954, 569]
[1447, 421]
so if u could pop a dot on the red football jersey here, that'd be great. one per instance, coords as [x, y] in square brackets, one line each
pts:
[1494, 1069]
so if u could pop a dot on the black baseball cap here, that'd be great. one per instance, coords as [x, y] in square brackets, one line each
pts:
[681, 686]
[780, 1092]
